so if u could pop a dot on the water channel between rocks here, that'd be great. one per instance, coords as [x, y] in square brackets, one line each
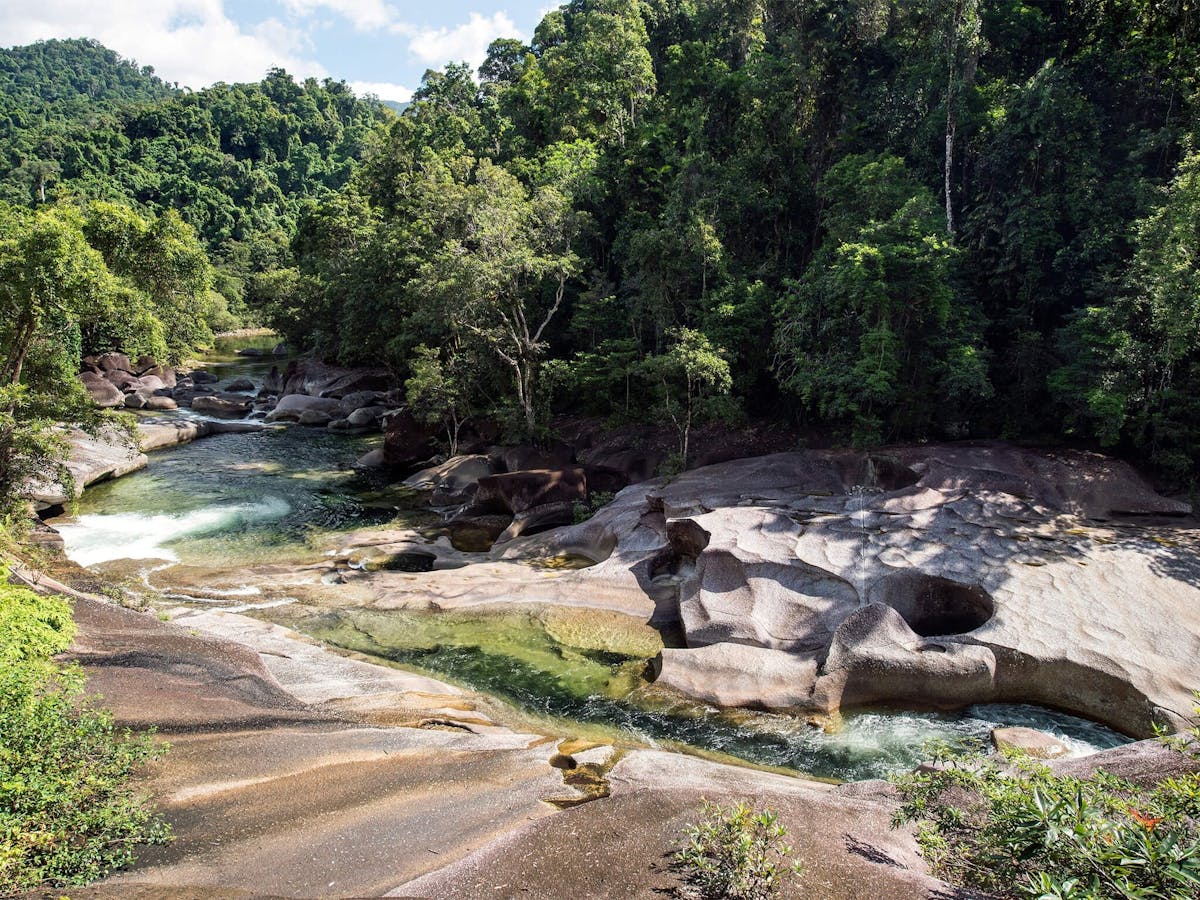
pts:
[285, 495]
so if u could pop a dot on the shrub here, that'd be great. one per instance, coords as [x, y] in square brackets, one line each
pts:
[1023, 831]
[67, 814]
[736, 852]
[581, 512]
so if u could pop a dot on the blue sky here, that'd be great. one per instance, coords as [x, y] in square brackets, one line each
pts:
[379, 46]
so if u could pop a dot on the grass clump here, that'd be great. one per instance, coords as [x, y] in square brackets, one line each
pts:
[1019, 830]
[735, 852]
[67, 812]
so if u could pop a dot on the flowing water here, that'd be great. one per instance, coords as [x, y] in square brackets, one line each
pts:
[237, 500]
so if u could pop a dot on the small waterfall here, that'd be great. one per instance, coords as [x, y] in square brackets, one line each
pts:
[860, 515]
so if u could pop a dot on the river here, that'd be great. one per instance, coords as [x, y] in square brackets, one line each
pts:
[286, 495]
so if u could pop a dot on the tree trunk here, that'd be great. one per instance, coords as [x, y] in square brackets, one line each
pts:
[949, 167]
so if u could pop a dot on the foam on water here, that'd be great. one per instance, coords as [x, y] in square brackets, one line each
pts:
[101, 537]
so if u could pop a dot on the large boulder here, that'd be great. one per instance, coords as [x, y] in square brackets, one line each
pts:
[125, 381]
[453, 482]
[537, 500]
[293, 406]
[518, 492]
[102, 391]
[166, 373]
[309, 376]
[1029, 741]
[222, 407]
[943, 575]
[313, 417]
[523, 457]
[408, 441]
[273, 383]
[91, 459]
[365, 416]
[113, 362]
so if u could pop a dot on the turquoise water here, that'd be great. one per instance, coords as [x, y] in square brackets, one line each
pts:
[234, 500]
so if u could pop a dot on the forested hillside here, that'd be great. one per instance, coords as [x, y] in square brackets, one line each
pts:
[935, 219]
[928, 220]
[78, 123]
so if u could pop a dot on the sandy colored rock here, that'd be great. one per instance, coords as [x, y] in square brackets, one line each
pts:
[1029, 741]
[944, 575]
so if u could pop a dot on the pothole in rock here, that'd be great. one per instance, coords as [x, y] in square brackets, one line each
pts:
[932, 605]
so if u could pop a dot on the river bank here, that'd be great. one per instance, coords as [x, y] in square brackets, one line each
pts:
[298, 772]
[820, 612]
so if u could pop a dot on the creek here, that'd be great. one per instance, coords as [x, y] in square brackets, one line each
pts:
[285, 495]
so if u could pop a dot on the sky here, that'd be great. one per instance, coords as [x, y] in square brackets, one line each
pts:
[381, 47]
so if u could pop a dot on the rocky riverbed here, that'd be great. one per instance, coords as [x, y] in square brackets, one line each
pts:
[821, 611]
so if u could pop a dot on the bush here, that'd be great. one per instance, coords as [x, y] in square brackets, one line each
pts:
[1023, 831]
[67, 814]
[581, 512]
[736, 852]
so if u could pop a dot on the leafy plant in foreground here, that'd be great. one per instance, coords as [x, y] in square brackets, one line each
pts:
[1024, 831]
[736, 852]
[67, 814]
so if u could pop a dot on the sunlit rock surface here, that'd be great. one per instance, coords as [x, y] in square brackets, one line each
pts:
[943, 575]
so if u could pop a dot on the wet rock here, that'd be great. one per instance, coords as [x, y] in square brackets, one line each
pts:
[365, 416]
[222, 407]
[477, 533]
[1029, 741]
[293, 406]
[394, 560]
[273, 383]
[240, 384]
[160, 404]
[372, 459]
[313, 418]
[252, 352]
[200, 376]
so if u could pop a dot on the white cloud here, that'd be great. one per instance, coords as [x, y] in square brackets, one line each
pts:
[364, 15]
[192, 42]
[383, 90]
[469, 41]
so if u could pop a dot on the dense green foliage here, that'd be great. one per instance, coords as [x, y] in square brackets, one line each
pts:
[736, 853]
[140, 218]
[944, 218]
[236, 162]
[81, 281]
[67, 815]
[1027, 832]
[932, 219]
